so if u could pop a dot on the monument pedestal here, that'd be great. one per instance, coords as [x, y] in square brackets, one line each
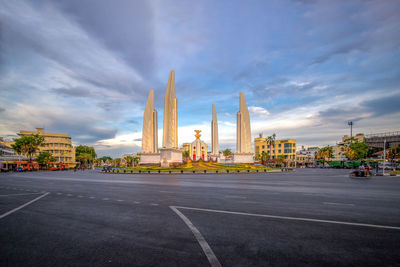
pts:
[214, 158]
[149, 158]
[243, 158]
[170, 155]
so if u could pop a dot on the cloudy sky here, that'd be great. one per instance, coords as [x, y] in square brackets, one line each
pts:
[306, 67]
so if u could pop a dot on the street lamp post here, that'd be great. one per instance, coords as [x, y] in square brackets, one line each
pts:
[384, 156]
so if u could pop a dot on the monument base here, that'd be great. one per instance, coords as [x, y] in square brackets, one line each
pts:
[149, 158]
[214, 158]
[243, 158]
[170, 156]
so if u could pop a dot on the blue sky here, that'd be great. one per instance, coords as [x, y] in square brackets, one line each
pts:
[306, 68]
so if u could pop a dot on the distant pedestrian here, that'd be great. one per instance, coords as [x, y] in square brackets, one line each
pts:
[361, 170]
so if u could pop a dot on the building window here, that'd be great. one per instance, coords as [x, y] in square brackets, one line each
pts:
[280, 145]
[268, 146]
[279, 151]
[263, 146]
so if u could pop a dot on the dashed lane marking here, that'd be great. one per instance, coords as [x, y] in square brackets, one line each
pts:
[154, 204]
[10, 195]
[136, 202]
[334, 203]
[106, 198]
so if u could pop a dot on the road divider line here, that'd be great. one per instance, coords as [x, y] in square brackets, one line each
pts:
[200, 239]
[23, 206]
[334, 203]
[293, 218]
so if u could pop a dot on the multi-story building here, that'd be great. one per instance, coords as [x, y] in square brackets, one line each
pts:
[303, 160]
[285, 147]
[58, 144]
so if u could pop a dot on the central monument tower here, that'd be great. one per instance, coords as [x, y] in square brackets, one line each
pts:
[169, 151]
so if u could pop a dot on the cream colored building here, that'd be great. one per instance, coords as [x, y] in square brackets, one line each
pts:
[58, 144]
[285, 147]
[304, 160]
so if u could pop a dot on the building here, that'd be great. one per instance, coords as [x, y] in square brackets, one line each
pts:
[303, 160]
[338, 153]
[376, 141]
[359, 137]
[285, 147]
[310, 151]
[58, 144]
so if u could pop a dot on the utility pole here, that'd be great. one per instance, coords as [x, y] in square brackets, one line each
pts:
[350, 123]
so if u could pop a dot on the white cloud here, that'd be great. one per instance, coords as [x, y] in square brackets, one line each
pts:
[258, 111]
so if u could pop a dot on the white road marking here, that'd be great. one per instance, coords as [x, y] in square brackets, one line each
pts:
[105, 198]
[70, 195]
[22, 206]
[203, 243]
[166, 192]
[20, 194]
[334, 203]
[92, 197]
[154, 204]
[136, 202]
[120, 200]
[80, 196]
[59, 193]
[293, 218]
[236, 197]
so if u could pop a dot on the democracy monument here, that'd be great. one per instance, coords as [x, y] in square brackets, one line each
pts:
[170, 154]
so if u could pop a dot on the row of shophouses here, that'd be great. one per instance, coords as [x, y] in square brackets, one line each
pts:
[307, 157]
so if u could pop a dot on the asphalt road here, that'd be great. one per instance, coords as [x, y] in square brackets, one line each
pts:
[316, 217]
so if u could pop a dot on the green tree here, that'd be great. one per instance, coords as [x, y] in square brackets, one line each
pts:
[136, 161]
[185, 154]
[28, 145]
[264, 157]
[355, 150]
[105, 158]
[82, 149]
[45, 158]
[280, 159]
[84, 158]
[325, 154]
[227, 152]
[129, 161]
[394, 153]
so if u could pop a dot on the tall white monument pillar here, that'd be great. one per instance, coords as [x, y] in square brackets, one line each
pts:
[244, 153]
[149, 154]
[170, 152]
[214, 136]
